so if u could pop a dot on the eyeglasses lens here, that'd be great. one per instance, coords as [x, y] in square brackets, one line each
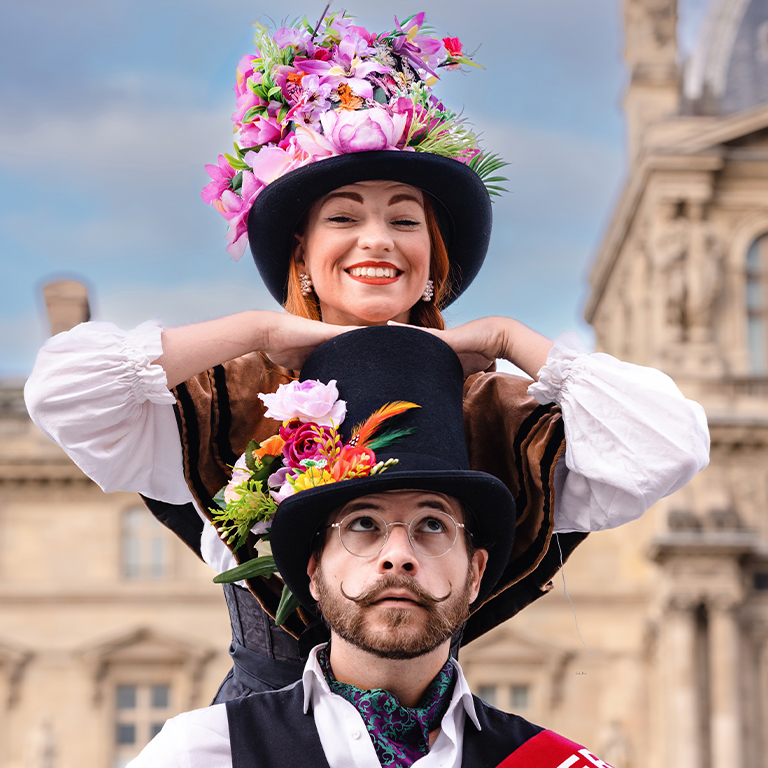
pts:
[432, 533]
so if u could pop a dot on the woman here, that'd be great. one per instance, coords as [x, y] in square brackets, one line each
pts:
[364, 201]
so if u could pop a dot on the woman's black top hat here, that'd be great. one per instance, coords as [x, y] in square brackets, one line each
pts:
[372, 367]
[462, 207]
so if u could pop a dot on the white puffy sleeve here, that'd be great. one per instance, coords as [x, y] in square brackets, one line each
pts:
[631, 436]
[95, 392]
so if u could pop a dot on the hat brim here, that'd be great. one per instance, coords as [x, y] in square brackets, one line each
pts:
[465, 218]
[299, 517]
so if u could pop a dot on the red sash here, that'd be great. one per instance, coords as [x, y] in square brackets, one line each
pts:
[549, 750]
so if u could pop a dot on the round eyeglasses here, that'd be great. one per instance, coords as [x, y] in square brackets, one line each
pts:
[431, 533]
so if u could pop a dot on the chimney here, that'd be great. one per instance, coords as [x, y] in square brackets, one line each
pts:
[67, 304]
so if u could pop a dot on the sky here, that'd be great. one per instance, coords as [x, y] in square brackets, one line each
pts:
[112, 108]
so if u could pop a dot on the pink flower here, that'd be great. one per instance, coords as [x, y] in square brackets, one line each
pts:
[313, 143]
[235, 209]
[363, 130]
[240, 473]
[244, 71]
[285, 490]
[308, 401]
[305, 444]
[221, 175]
[263, 130]
[270, 163]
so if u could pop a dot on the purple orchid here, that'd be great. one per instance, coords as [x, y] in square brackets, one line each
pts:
[421, 50]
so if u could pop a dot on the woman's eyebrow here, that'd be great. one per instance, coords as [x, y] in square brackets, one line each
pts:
[404, 196]
[351, 195]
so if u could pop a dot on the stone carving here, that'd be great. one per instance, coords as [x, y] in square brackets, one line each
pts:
[689, 260]
[650, 34]
[669, 249]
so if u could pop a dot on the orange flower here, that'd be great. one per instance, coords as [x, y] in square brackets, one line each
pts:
[348, 99]
[273, 446]
[353, 462]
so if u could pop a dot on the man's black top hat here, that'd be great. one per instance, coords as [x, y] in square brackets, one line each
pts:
[372, 367]
[462, 206]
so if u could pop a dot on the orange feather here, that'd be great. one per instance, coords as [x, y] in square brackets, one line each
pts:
[364, 432]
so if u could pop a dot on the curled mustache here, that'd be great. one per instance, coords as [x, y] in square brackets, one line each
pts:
[371, 594]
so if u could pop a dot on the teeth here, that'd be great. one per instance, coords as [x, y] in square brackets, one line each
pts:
[373, 272]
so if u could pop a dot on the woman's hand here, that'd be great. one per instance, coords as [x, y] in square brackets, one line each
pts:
[478, 343]
[287, 340]
[290, 340]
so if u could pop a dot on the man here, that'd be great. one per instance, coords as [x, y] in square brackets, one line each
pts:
[394, 561]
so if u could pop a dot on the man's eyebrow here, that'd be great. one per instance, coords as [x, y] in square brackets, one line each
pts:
[404, 196]
[435, 504]
[350, 195]
[354, 506]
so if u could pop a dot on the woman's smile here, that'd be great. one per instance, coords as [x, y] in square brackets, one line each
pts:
[374, 272]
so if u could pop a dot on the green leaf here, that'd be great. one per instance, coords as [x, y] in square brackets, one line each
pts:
[282, 113]
[275, 91]
[288, 604]
[219, 498]
[268, 466]
[253, 112]
[250, 459]
[379, 94]
[235, 185]
[259, 566]
[237, 163]
[260, 91]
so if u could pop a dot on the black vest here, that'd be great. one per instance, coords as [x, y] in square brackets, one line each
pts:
[270, 730]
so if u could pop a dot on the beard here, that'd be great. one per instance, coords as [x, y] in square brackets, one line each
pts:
[403, 633]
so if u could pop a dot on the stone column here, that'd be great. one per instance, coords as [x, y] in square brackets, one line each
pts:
[725, 720]
[678, 675]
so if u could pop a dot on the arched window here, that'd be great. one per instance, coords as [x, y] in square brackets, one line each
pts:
[757, 304]
[144, 545]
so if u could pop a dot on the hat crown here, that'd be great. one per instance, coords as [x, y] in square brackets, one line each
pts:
[384, 364]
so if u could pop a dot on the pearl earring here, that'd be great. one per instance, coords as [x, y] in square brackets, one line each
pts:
[305, 281]
[429, 291]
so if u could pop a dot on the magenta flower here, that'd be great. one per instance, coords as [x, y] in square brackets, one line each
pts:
[221, 175]
[363, 130]
[305, 444]
[263, 130]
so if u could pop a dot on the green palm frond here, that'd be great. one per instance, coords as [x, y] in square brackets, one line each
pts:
[484, 164]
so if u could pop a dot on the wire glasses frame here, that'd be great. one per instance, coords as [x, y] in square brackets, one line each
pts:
[431, 533]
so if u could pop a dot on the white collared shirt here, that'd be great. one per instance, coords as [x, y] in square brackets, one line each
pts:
[200, 739]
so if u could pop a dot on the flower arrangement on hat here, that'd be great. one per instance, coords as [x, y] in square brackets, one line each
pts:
[309, 93]
[306, 452]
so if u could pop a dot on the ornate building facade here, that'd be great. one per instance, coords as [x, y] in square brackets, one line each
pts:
[107, 624]
[674, 607]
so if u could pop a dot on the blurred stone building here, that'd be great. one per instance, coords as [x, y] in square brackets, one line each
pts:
[674, 607]
[107, 624]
